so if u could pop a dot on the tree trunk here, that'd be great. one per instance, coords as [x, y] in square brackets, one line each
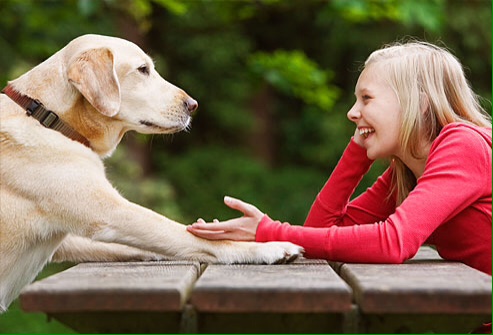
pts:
[263, 137]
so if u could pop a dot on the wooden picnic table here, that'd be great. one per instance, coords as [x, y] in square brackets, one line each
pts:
[425, 294]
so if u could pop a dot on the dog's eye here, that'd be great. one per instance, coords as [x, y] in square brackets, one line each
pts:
[144, 69]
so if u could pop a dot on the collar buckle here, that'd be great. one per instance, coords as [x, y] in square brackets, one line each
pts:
[49, 119]
[33, 107]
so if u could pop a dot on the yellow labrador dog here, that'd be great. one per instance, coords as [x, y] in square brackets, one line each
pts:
[57, 122]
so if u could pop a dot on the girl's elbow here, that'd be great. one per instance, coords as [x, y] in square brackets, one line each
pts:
[396, 259]
[399, 256]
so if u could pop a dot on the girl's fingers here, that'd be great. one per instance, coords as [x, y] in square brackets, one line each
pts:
[208, 234]
[237, 204]
[215, 226]
[227, 230]
[202, 222]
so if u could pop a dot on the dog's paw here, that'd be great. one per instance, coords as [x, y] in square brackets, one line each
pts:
[281, 252]
[236, 252]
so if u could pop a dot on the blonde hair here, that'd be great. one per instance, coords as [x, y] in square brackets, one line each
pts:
[433, 92]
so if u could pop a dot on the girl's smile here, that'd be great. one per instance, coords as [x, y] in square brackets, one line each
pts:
[366, 132]
[377, 114]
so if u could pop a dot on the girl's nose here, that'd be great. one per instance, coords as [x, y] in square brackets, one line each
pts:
[354, 114]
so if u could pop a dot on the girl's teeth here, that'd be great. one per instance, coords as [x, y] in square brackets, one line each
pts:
[366, 132]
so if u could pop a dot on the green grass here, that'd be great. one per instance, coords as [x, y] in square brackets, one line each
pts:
[16, 321]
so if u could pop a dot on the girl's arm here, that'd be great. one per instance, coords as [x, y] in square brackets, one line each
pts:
[457, 173]
[332, 205]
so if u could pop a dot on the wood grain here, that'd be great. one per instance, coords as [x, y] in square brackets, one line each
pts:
[419, 287]
[140, 286]
[306, 288]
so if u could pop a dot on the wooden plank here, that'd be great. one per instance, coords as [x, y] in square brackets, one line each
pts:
[306, 261]
[137, 286]
[289, 288]
[427, 254]
[419, 287]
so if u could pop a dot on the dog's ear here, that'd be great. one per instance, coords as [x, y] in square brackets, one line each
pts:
[93, 74]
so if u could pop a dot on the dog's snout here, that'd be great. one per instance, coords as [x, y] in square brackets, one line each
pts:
[191, 104]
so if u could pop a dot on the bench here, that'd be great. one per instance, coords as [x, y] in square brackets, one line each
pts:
[426, 294]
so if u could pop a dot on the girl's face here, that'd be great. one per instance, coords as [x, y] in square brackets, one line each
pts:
[377, 114]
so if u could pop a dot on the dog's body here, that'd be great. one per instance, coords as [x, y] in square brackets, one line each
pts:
[55, 201]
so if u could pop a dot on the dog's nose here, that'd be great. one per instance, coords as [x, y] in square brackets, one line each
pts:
[191, 105]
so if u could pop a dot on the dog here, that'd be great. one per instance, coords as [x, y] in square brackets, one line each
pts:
[58, 122]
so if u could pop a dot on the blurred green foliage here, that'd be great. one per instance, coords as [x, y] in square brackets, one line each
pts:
[282, 70]
[428, 14]
[274, 80]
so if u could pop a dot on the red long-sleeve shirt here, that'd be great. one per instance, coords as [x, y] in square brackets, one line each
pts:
[450, 208]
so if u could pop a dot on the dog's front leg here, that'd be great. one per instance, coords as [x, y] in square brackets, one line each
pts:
[79, 249]
[136, 226]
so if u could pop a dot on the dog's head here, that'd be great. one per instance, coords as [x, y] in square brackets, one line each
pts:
[119, 80]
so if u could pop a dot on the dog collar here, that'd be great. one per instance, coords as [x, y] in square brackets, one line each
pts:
[47, 118]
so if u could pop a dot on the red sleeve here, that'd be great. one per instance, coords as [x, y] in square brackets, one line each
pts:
[332, 207]
[449, 184]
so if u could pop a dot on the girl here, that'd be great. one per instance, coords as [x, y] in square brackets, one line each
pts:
[414, 106]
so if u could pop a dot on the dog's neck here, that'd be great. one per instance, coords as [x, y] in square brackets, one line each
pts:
[102, 133]
[46, 117]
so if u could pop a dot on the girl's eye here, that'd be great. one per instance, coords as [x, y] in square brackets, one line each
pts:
[144, 69]
[366, 97]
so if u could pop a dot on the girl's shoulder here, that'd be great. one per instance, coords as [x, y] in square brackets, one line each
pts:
[466, 147]
[464, 134]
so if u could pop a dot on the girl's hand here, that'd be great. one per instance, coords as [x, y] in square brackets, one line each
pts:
[240, 229]
[358, 138]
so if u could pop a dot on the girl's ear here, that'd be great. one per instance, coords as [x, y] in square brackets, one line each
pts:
[93, 74]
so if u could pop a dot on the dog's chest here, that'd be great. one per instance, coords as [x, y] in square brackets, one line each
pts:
[19, 267]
